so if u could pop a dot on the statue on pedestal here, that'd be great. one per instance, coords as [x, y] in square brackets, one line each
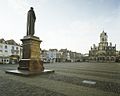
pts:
[31, 22]
[30, 64]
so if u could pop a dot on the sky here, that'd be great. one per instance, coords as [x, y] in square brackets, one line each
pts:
[72, 24]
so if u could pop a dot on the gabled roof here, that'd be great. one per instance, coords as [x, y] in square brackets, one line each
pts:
[2, 40]
[11, 42]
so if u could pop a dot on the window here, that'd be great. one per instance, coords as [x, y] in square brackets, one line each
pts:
[12, 47]
[16, 48]
[17, 52]
[5, 46]
[1, 46]
[6, 51]
[102, 39]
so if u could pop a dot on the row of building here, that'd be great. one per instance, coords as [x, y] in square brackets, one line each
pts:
[11, 52]
[104, 52]
[62, 55]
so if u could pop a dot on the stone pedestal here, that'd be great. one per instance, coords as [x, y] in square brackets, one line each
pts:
[30, 63]
[31, 54]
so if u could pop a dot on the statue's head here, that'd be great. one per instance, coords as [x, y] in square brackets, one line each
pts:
[31, 8]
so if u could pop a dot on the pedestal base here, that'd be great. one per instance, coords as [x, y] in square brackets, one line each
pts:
[30, 65]
[31, 55]
[27, 73]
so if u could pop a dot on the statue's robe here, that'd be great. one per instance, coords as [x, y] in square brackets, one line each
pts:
[31, 22]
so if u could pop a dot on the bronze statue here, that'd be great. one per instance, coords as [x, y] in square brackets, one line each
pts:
[31, 22]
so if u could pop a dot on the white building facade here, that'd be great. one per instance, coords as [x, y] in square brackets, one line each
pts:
[53, 55]
[10, 51]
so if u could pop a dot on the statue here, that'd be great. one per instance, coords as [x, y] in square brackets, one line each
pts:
[31, 22]
[30, 64]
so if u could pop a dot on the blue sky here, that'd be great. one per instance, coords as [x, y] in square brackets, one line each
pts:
[72, 24]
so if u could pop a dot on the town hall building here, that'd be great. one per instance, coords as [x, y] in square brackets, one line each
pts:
[104, 52]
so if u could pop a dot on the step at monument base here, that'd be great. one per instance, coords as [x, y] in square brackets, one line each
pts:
[28, 73]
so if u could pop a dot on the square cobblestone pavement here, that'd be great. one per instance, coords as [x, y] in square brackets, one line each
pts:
[69, 79]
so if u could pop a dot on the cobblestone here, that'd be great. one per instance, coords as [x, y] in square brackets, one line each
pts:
[66, 81]
[10, 87]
